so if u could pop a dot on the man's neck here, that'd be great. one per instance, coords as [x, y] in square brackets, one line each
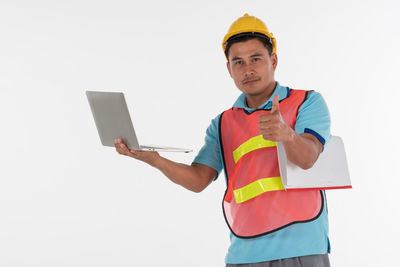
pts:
[254, 101]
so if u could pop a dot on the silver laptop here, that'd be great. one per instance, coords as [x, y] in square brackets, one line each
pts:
[113, 121]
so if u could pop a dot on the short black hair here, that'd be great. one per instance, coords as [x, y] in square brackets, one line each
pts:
[243, 37]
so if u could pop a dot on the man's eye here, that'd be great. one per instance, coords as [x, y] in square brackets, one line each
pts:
[238, 62]
[256, 59]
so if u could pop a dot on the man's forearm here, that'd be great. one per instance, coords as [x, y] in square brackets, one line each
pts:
[302, 150]
[193, 177]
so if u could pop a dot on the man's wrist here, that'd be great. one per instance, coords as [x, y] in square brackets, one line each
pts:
[156, 161]
[290, 137]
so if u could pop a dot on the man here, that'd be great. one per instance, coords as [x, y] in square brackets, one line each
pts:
[269, 226]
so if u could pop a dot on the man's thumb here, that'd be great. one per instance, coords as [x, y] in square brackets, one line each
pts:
[275, 103]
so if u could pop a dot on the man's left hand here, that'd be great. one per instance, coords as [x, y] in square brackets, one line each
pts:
[273, 127]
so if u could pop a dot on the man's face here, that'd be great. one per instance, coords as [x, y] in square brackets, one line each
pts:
[251, 67]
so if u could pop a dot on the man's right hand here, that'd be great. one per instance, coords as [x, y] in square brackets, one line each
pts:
[150, 157]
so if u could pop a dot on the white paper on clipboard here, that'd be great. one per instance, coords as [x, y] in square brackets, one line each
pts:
[330, 171]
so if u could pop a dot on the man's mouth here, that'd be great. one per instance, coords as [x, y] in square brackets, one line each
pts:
[251, 80]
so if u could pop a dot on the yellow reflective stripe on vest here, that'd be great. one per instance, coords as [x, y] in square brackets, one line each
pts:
[257, 188]
[250, 145]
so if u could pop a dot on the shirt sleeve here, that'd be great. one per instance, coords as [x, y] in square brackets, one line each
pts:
[209, 154]
[313, 117]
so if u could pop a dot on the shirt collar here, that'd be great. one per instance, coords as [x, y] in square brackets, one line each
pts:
[282, 91]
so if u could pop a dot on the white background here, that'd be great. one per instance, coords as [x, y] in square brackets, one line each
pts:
[65, 200]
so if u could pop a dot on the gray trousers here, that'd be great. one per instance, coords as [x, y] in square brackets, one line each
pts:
[304, 261]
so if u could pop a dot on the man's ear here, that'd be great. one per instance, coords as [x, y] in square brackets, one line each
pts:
[229, 68]
[274, 60]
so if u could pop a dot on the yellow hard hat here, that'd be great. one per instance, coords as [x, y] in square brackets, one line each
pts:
[248, 24]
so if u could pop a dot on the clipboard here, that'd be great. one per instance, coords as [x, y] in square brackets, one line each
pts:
[330, 171]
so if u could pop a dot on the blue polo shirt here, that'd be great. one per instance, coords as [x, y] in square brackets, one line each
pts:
[298, 239]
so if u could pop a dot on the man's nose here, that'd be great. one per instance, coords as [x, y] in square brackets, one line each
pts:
[248, 70]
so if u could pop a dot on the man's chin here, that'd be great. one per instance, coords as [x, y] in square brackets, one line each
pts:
[252, 91]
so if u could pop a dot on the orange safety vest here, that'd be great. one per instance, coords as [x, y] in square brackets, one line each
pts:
[255, 201]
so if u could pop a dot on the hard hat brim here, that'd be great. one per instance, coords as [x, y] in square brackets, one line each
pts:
[255, 34]
[271, 39]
